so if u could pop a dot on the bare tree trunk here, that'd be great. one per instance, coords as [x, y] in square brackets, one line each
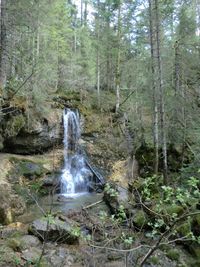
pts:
[117, 78]
[161, 94]
[108, 69]
[177, 69]
[98, 59]
[155, 100]
[85, 13]
[3, 44]
[81, 12]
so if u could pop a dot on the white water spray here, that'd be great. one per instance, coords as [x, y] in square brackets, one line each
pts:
[75, 174]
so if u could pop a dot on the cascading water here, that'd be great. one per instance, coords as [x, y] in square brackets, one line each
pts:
[75, 174]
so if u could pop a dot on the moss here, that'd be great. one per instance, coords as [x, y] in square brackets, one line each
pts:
[27, 168]
[197, 219]
[14, 243]
[154, 260]
[184, 229]
[195, 250]
[173, 209]
[8, 257]
[173, 254]
[14, 125]
[140, 218]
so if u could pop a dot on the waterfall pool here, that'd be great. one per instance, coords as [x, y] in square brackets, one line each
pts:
[65, 205]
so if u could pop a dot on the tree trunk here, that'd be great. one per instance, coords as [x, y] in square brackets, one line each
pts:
[117, 78]
[108, 56]
[98, 55]
[3, 44]
[161, 94]
[155, 98]
[85, 13]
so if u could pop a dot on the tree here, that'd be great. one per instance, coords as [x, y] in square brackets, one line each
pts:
[3, 46]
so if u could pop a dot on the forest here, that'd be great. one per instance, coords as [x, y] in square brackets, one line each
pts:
[99, 133]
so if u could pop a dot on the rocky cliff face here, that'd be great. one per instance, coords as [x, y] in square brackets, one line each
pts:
[28, 133]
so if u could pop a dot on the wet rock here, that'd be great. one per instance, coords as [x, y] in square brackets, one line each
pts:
[51, 180]
[55, 229]
[62, 198]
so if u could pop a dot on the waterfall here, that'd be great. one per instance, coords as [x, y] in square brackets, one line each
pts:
[75, 174]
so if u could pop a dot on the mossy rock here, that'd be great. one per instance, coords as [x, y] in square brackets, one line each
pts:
[28, 169]
[14, 125]
[14, 243]
[173, 254]
[140, 219]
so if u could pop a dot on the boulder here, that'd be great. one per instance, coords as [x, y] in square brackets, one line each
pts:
[116, 196]
[28, 241]
[29, 134]
[13, 229]
[55, 229]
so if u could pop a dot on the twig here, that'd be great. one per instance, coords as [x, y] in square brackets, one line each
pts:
[24, 82]
[36, 202]
[123, 102]
[92, 205]
[120, 250]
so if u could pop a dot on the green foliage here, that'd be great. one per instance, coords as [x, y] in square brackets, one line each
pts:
[170, 205]
[76, 231]
[110, 190]
[127, 240]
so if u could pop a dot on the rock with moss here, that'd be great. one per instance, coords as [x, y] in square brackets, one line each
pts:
[14, 125]
[28, 168]
[54, 229]
[116, 197]
[32, 133]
